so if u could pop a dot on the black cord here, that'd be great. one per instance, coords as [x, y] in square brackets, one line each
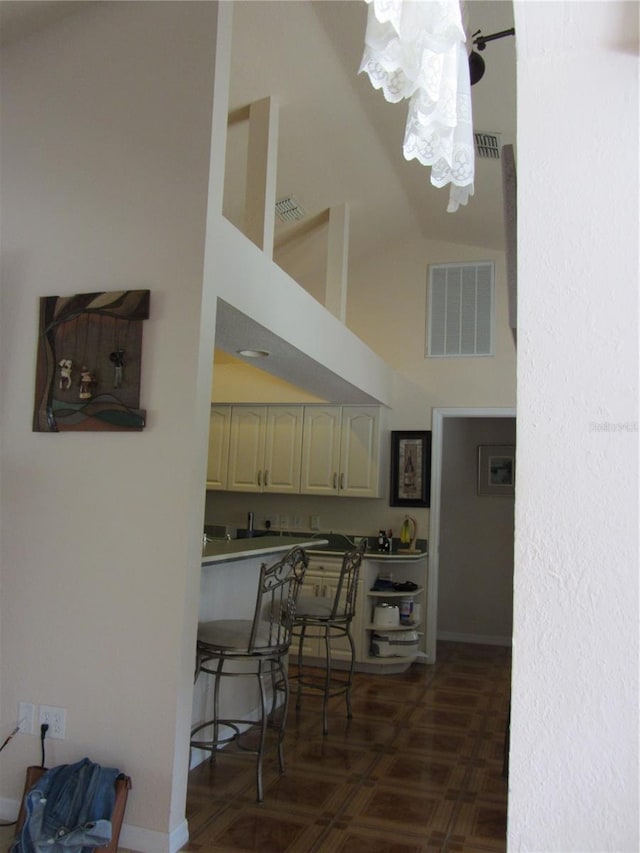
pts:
[43, 731]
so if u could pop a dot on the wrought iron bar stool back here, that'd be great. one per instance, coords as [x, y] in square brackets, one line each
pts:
[256, 648]
[329, 618]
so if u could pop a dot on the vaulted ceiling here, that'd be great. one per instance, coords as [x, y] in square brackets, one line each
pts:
[340, 141]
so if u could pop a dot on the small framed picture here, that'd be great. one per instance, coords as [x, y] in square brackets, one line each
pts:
[496, 469]
[410, 469]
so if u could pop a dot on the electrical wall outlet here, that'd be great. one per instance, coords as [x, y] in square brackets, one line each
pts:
[27, 718]
[315, 522]
[55, 718]
[284, 522]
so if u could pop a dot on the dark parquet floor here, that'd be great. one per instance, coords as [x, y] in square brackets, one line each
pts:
[418, 768]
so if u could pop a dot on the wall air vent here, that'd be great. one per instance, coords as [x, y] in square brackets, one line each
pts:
[488, 145]
[289, 210]
[460, 309]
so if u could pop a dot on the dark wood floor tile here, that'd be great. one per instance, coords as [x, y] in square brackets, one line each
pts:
[391, 690]
[466, 683]
[436, 742]
[329, 756]
[318, 795]
[362, 840]
[417, 770]
[371, 734]
[412, 772]
[487, 784]
[375, 708]
[393, 810]
[448, 719]
[481, 824]
[261, 831]
[457, 699]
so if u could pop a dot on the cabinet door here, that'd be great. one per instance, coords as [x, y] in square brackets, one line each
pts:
[359, 452]
[218, 459]
[283, 449]
[246, 448]
[320, 450]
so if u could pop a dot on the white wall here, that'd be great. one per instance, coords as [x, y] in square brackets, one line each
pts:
[106, 137]
[574, 759]
[105, 152]
[393, 324]
[475, 576]
[99, 544]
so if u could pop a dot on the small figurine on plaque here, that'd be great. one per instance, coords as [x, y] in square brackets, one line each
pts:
[87, 381]
[65, 366]
[117, 357]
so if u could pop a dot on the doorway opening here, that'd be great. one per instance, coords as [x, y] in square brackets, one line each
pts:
[445, 419]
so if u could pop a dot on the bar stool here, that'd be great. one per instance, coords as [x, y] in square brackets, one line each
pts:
[259, 645]
[329, 617]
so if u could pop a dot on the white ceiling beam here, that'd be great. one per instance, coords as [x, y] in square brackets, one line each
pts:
[338, 261]
[262, 157]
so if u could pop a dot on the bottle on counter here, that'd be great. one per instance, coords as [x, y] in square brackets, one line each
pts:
[384, 545]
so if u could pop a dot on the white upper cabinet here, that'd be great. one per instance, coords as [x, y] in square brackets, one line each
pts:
[283, 449]
[218, 459]
[359, 452]
[265, 449]
[312, 450]
[340, 451]
[320, 450]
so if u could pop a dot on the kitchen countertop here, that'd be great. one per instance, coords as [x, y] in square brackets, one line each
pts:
[339, 543]
[223, 551]
[394, 555]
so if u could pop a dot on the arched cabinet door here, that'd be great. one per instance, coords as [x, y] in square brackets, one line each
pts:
[359, 452]
[218, 459]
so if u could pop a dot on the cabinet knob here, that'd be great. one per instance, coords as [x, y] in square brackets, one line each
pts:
[259, 478]
[342, 480]
[266, 478]
[335, 480]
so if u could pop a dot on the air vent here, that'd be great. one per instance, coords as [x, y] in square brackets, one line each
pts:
[288, 210]
[461, 309]
[488, 145]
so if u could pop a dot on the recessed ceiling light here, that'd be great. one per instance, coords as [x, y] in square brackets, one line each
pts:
[254, 353]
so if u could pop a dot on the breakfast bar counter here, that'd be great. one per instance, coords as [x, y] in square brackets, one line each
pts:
[226, 551]
[228, 586]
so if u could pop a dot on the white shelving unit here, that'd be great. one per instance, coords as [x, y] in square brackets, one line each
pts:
[400, 662]
[320, 577]
[392, 598]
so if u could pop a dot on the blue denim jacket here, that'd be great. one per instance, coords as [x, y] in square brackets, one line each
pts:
[69, 810]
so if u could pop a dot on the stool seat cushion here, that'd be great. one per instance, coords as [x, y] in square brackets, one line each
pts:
[314, 607]
[234, 635]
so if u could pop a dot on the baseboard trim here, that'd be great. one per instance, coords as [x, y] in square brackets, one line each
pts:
[149, 841]
[479, 639]
[9, 809]
[131, 837]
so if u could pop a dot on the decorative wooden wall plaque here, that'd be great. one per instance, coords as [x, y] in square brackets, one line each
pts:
[88, 362]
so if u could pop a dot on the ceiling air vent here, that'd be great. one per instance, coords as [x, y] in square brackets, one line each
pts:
[488, 145]
[288, 210]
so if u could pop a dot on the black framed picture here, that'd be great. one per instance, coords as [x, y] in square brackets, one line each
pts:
[410, 468]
